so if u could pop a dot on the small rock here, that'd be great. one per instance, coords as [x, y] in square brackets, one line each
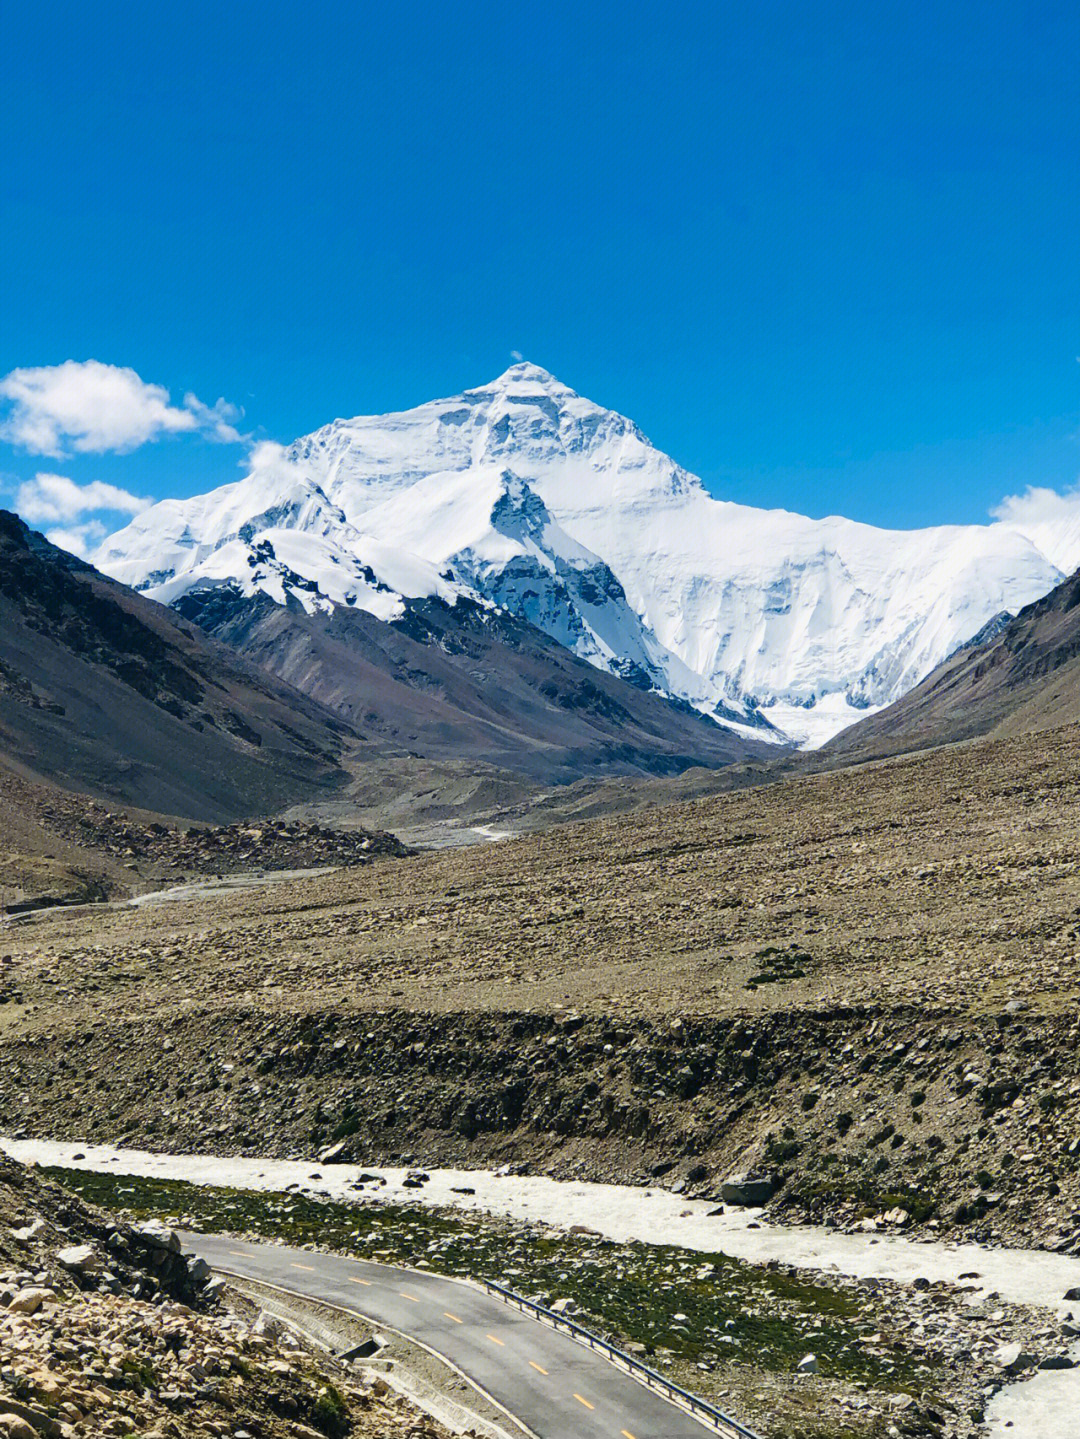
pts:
[158, 1234]
[29, 1231]
[1011, 1358]
[1057, 1361]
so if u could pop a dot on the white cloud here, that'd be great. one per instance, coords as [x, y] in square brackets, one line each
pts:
[1050, 519]
[517, 355]
[51, 498]
[78, 539]
[88, 406]
[266, 454]
[1038, 505]
[216, 420]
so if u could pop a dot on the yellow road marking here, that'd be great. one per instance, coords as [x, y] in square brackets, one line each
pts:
[584, 1401]
[496, 1341]
[408, 1296]
[238, 1253]
[354, 1280]
[626, 1434]
[448, 1315]
[539, 1368]
[309, 1267]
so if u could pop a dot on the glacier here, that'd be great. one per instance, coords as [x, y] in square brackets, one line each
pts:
[523, 494]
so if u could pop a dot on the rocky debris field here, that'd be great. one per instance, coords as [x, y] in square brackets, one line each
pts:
[68, 849]
[107, 1329]
[862, 986]
[249, 844]
[790, 1353]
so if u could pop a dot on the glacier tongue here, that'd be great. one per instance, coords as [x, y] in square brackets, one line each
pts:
[525, 495]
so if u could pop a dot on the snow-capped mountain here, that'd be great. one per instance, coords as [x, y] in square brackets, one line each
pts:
[524, 495]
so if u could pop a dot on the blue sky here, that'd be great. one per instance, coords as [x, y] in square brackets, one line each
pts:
[824, 254]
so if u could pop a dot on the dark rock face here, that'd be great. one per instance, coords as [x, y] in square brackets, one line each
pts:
[105, 691]
[466, 682]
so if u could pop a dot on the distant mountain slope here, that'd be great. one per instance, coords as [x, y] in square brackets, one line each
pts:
[523, 493]
[1025, 677]
[467, 682]
[104, 691]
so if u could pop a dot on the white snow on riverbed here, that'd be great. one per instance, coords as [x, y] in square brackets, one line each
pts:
[1045, 1407]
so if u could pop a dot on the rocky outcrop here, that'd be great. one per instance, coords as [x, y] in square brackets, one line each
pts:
[122, 1333]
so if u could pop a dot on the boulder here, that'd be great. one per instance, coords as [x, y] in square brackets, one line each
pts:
[1011, 1358]
[29, 1231]
[1057, 1361]
[335, 1154]
[79, 1257]
[807, 1364]
[747, 1189]
[158, 1235]
[30, 1299]
[14, 1426]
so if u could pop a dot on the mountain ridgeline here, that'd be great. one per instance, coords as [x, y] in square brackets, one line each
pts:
[107, 692]
[524, 495]
[104, 691]
[1022, 678]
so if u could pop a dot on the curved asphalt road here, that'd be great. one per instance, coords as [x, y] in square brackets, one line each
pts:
[556, 1386]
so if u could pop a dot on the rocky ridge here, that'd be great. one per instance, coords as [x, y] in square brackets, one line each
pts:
[936, 1125]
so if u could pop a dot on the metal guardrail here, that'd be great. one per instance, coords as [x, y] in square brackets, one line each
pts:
[722, 1423]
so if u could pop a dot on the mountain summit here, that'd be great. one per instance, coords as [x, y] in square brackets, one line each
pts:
[524, 495]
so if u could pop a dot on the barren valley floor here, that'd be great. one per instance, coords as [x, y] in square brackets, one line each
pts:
[863, 983]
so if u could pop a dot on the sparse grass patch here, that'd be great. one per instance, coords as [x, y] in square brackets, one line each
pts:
[679, 1304]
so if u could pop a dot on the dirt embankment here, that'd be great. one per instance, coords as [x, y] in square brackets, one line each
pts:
[966, 1125]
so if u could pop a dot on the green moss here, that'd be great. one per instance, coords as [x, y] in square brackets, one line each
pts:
[732, 1310]
[330, 1413]
[140, 1373]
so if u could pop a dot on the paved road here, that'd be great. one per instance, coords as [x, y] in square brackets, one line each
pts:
[557, 1387]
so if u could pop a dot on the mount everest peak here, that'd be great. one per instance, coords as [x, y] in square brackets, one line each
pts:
[522, 494]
